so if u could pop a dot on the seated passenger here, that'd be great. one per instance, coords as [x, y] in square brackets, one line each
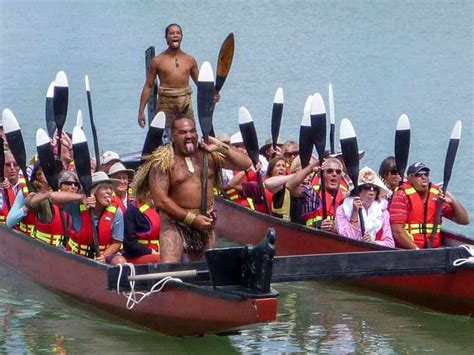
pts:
[413, 209]
[9, 186]
[290, 151]
[122, 192]
[390, 176]
[108, 159]
[376, 217]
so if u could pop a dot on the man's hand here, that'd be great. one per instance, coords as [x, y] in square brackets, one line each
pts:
[328, 225]
[212, 145]
[141, 119]
[202, 222]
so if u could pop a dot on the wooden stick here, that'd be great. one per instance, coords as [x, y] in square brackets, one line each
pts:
[162, 275]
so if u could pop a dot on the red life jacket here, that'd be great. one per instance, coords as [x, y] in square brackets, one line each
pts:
[50, 233]
[151, 238]
[332, 203]
[235, 196]
[418, 226]
[81, 242]
[8, 200]
[118, 202]
[27, 224]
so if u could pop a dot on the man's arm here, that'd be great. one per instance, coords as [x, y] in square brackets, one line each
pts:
[194, 72]
[233, 158]
[276, 183]
[146, 91]
[294, 184]
[399, 210]
[460, 214]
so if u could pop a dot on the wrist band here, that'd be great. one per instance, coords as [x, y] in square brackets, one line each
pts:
[189, 218]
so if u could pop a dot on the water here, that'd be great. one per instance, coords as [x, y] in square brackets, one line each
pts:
[383, 58]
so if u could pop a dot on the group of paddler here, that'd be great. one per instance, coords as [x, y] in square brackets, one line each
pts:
[164, 212]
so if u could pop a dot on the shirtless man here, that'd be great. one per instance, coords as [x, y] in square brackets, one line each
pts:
[173, 67]
[173, 177]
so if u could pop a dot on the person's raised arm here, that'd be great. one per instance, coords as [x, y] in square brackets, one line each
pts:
[460, 214]
[233, 158]
[146, 91]
[61, 198]
[194, 72]
[294, 184]
[276, 183]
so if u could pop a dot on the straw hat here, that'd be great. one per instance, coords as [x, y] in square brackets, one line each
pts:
[101, 177]
[368, 176]
[118, 168]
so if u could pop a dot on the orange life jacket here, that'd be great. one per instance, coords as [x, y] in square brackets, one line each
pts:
[50, 233]
[421, 218]
[235, 196]
[151, 238]
[27, 223]
[8, 200]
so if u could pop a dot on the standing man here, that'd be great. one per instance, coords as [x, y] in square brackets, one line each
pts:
[413, 210]
[174, 68]
[172, 175]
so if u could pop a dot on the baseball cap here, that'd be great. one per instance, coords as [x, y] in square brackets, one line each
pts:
[108, 156]
[416, 168]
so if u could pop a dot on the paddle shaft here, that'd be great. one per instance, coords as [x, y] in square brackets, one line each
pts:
[332, 132]
[94, 131]
[264, 195]
[204, 177]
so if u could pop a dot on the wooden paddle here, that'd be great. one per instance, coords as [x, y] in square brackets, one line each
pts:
[249, 136]
[350, 153]
[224, 61]
[448, 169]
[305, 139]
[318, 132]
[49, 110]
[154, 136]
[277, 113]
[46, 158]
[2, 161]
[60, 103]
[15, 142]
[402, 144]
[332, 117]
[93, 128]
[83, 170]
[152, 104]
[205, 101]
[79, 120]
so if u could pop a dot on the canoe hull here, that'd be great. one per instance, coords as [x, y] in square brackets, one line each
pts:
[451, 293]
[180, 309]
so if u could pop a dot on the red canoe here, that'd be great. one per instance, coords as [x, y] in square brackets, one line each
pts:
[450, 293]
[180, 309]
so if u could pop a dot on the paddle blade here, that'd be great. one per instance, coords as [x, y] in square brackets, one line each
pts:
[2, 160]
[350, 149]
[305, 139]
[451, 153]
[224, 62]
[46, 158]
[49, 110]
[60, 100]
[402, 144]
[332, 118]
[82, 159]
[154, 137]
[14, 138]
[277, 113]
[79, 121]
[205, 98]
[318, 124]
[249, 134]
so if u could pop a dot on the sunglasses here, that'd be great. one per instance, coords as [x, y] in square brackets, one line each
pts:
[70, 183]
[290, 154]
[369, 187]
[332, 171]
[422, 173]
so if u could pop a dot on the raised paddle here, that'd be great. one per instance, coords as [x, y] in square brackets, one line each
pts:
[332, 118]
[305, 139]
[152, 104]
[224, 61]
[2, 161]
[402, 144]
[448, 169]
[60, 103]
[154, 136]
[93, 128]
[350, 153]
[15, 142]
[79, 120]
[318, 132]
[205, 101]
[83, 170]
[277, 112]
[49, 110]
[249, 136]
[47, 162]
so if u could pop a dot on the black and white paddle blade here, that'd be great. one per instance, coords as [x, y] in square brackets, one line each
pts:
[305, 139]
[402, 144]
[14, 138]
[46, 158]
[79, 120]
[60, 100]
[154, 137]
[332, 118]
[451, 153]
[82, 159]
[249, 134]
[205, 98]
[350, 149]
[277, 113]
[49, 110]
[318, 124]
[91, 116]
[2, 160]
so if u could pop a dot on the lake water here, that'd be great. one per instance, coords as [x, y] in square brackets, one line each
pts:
[384, 58]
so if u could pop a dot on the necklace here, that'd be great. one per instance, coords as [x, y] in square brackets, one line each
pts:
[176, 61]
[189, 164]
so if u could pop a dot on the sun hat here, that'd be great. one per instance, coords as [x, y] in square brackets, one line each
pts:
[236, 138]
[109, 156]
[101, 177]
[416, 168]
[118, 168]
[368, 176]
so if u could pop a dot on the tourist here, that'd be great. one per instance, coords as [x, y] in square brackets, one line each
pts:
[122, 196]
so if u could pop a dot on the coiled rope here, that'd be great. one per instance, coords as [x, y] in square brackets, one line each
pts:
[468, 260]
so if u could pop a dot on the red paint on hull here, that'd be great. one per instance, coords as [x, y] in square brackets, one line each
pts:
[450, 293]
[177, 310]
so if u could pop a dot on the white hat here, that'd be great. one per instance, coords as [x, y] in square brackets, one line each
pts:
[118, 168]
[368, 176]
[101, 177]
[236, 138]
[108, 156]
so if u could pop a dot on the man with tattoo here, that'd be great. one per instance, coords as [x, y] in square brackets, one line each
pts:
[172, 175]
